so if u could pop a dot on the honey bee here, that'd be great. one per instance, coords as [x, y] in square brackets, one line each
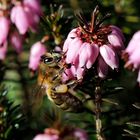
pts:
[49, 77]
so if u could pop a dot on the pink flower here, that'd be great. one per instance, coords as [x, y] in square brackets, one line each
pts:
[74, 72]
[133, 45]
[133, 51]
[54, 134]
[88, 54]
[109, 56]
[26, 15]
[73, 50]
[49, 134]
[80, 73]
[116, 38]
[102, 68]
[36, 51]
[4, 29]
[45, 137]
[80, 134]
[3, 51]
[71, 36]
[16, 40]
[82, 52]
[20, 18]
[132, 54]
[93, 44]
[34, 5]
[69, 74]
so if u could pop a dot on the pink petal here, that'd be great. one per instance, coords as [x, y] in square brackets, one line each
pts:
[46, 137]
[134, 43]
[20, 18]
[16, 40]
[36, 51]
[85, 51]
[73, 49]
[80, 134]
[71, 36]
[109, 56]
[93, 55]
[135, 58]
[116, 41]
[33, 19]
[69, 74]
[118, 32]
[4, 29]
[102, 68]
[80, 73]
[33, 5]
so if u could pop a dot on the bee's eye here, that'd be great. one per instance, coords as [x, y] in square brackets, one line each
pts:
[48, 60]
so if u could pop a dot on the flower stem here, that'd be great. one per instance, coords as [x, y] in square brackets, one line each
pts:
[98, 120]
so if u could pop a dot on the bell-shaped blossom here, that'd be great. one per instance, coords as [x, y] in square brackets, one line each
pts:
[34, 5]
[46, 137]
[133, 54]
[88, 54]
[33, 19]
[3, 51]
[80, 134]
[49, 134]
[73, 73]
[116, 38]
[69, 74]
[102, 68]
[80, 73]
[134, 58]
[109, 56]
[133, 44]
[26, 15]
[4, 29]
[54, 134]
[133, 51]
[71, 36]
[16, 41]
[20, 18]
[73, 50]
[37, 50]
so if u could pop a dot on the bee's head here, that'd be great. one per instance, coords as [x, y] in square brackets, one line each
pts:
[50, 59]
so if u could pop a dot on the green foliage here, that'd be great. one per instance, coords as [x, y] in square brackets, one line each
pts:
[11, 117]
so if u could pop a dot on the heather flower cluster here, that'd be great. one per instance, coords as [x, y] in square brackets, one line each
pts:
[93, 43]
[16, 19]
[132, 54]
[54, 134]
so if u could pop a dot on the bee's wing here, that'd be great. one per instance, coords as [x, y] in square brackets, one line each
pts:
[36, 97]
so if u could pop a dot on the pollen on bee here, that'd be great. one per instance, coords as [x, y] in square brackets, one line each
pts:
[61, 88]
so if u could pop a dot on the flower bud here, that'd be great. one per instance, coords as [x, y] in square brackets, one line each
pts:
[20, 18]
[4, 29]
[16, 40]
[102, 68]
[133, 54]
[34, 5]
[37, 50]
[109, 56]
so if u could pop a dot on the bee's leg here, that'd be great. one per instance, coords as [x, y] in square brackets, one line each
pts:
[73, 83]
[58, 76]
[62, 88]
